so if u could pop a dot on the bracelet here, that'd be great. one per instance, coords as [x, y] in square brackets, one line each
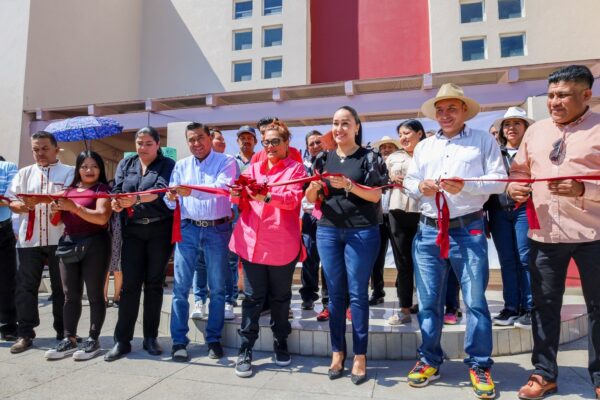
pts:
[349, 186]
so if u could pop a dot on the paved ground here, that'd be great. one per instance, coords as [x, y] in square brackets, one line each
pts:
[139, 376]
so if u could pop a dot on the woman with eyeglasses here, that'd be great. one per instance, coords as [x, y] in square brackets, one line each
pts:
[267, 239]
[509, 229]
[86, 222]
[348, 235]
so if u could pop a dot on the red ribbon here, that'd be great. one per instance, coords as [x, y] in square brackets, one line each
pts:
[443, 236]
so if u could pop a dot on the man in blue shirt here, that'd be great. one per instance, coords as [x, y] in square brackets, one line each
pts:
[8, 255]
[205, 231]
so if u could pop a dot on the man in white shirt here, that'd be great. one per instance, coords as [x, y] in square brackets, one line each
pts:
[456, 151]
[47, 175]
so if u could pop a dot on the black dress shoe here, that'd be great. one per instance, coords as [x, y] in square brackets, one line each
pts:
[118, 351]
[215, 350]
[358, 379]
[308, 305]
[9, 336]
[338, 373]
[375, 300]
[152, 347]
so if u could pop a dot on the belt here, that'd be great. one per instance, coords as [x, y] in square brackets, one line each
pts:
[5, 223]
[146, 221]
[206, 223]
[457, 222]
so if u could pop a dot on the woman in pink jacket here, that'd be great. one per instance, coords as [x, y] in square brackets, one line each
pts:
[267, 238]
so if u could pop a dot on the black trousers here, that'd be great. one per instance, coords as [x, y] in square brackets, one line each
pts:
[29, 276]
[377, 283]
[8, 272]
[403, 228]
[261, 281]
[144, 257]
[310, 266]
[91, 270]
[549, 263]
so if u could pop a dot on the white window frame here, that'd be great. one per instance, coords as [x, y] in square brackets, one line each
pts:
[264, 14]
[509, 19]
[242, 31]
[264, 31]
[242, 1]
[264, 69]
[513, 34]
[471, 38]
[234, 63]
[483, 9]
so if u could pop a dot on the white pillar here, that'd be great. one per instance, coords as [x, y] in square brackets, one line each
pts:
[176, 138]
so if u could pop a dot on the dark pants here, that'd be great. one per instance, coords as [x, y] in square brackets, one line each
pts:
[29, 276]
[452, 293]
[377, 274]
[91, 270]
[549, 263]
[403, 228]
[145, 253]
[310, 266]
[261, 281]
[8, 271]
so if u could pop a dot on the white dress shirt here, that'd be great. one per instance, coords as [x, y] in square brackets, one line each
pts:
[470, 154]
[36, 179]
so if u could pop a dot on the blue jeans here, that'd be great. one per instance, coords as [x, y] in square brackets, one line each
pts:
[348, 255]
[210, 245]
[231, 280]
[509, 232]
[468, 257]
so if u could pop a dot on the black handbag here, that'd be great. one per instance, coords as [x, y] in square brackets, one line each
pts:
[72, 250]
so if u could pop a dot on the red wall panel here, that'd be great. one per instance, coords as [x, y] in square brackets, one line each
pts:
[362, 39]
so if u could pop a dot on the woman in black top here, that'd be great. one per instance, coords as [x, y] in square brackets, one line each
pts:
[348, 235]
[146, 241]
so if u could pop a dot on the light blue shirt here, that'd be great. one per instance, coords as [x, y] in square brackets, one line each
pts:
[7, 171]
[217, 170]
[470, 154]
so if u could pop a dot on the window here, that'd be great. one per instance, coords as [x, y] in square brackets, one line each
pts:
[242, 9]
[242, 40]
[513, 45]
[471, 12]
[510, 9]
[473, 49]
[272, 7]
[272, 68]
[242, 71]
[272, 36]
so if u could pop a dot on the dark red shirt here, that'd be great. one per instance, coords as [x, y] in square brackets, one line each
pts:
[75, 225]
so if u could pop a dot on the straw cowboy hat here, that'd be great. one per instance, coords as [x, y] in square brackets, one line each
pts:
[387, 139]
[513, 112]
[450, 91]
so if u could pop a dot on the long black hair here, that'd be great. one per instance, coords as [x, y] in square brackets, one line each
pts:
[153, 133]
[358, 137]
[80, 159]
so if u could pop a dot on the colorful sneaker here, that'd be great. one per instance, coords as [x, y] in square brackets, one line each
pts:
[505, 318]
[482, 382]
[450, 319]
[323, 315]
[422, 374]
[524, 320]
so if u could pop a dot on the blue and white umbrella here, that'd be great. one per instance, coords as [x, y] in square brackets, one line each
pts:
[84, 128]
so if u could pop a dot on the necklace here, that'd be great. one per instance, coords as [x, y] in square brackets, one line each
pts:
[343, 157]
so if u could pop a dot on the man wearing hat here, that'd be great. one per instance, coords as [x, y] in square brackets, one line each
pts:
[568, 213]
[455, 152]
[386, 146]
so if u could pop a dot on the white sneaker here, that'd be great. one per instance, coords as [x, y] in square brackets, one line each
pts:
[200, 311]
[64, 349]
[90, 349]
[229, 314]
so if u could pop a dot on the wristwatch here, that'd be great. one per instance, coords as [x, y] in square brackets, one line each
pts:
[267, 198]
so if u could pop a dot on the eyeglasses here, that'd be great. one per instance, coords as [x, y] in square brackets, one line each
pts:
[271, 142]
[315, 143]
[557, 155]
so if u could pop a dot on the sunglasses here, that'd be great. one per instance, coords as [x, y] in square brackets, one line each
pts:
[557, 155]
[315, 143]
[271, 142]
